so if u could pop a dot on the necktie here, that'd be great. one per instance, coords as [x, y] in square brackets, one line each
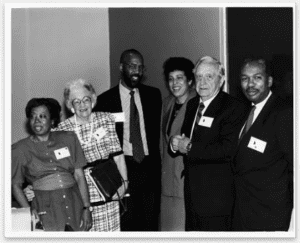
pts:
[135, 132]
[248, 122]
[199, 114]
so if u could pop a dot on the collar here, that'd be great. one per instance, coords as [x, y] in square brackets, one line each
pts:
[260, 105]
[207, 102]
[49, 141]
[125, 91]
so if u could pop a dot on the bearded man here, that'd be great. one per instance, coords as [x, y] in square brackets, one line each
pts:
[137, 109]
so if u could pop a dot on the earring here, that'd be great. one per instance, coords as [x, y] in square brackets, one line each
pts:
[72, 110]
[92, 105]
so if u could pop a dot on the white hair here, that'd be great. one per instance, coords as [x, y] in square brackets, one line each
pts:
[75, 85]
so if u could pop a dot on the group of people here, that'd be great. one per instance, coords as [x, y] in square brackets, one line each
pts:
[201, 160]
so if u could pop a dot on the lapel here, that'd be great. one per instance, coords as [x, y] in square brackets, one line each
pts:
[167, 114]
[213, 110]
[261, 118]
[177, 123]
[215, 106]
[116, 98]
[191, 110]
[264, 113]
[146, 107]
[144, 98]
[117, 107]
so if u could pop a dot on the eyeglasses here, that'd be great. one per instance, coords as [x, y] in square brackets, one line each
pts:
[135, 66]
[85, 100]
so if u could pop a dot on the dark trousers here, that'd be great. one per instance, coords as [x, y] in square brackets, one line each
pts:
[194, 222]
[143, 204]
[238, 223]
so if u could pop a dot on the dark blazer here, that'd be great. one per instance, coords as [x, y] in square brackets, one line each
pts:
[110, 101]
[208, 175]
[264, 181]
[172, 166]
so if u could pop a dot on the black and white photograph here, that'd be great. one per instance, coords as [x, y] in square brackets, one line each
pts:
[148, 120]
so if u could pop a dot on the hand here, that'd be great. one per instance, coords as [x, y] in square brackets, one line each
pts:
[29, 193]
[182, 145]
[175, 142]
[34, 216]
[86, 220]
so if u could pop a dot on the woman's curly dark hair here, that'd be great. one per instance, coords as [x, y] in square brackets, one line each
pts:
[179, 64]
[52, 105]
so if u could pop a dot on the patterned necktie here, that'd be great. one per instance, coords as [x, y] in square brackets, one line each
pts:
[199, 114]
[248, 123]
[135, 131]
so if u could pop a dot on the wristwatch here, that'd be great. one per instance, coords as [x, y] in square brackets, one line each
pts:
[189, 146]
[90, 208]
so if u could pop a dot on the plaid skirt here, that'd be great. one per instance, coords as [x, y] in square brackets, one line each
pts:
[105, 217]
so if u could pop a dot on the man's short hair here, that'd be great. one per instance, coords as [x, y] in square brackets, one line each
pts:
[263, 62]
[129, 52]
[212, 60]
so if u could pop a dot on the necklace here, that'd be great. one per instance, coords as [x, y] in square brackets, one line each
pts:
[91, 132]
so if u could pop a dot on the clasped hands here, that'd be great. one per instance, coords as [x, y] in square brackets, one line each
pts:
[180, 143]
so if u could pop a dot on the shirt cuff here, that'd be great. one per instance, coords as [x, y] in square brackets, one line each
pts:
[172, 149]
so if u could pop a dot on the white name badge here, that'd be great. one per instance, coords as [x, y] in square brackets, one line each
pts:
[62, 153]
[100, 133]
[257, 144]
[206, 121]
[119, 117]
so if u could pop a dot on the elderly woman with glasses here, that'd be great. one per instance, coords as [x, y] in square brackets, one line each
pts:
[97, 136]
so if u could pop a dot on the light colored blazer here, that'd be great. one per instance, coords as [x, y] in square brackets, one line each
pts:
[172, 167]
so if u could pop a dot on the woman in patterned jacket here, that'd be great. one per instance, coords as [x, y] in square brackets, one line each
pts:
[98, 139]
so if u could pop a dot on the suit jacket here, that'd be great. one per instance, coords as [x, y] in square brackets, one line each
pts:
[110, 101]
[208, 175]
[172, 166]
[263, 180]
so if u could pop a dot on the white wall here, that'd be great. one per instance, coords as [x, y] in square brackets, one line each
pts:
[51, 46]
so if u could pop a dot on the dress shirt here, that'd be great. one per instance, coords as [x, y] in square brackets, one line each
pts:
[125, 100]
[206, 104]
[258, 109]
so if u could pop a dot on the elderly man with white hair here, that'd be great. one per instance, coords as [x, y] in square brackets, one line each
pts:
[208, 140]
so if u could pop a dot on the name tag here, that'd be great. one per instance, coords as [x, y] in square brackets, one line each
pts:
[206, 121]
[257, 144]
[119, 117]
[62, 153]
[100, 133]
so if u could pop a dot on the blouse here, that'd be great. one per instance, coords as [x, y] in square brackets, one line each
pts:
[31, 159]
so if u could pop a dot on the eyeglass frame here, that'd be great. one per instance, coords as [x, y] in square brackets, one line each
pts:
[89, 100]
[132, 66]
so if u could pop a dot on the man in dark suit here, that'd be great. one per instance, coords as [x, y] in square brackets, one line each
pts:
[208, 139]
[263, 164]
[140, 141]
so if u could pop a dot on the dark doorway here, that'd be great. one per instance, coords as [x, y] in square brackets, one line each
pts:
[265, 32]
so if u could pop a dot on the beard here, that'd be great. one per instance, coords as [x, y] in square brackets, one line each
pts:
[133, 80]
